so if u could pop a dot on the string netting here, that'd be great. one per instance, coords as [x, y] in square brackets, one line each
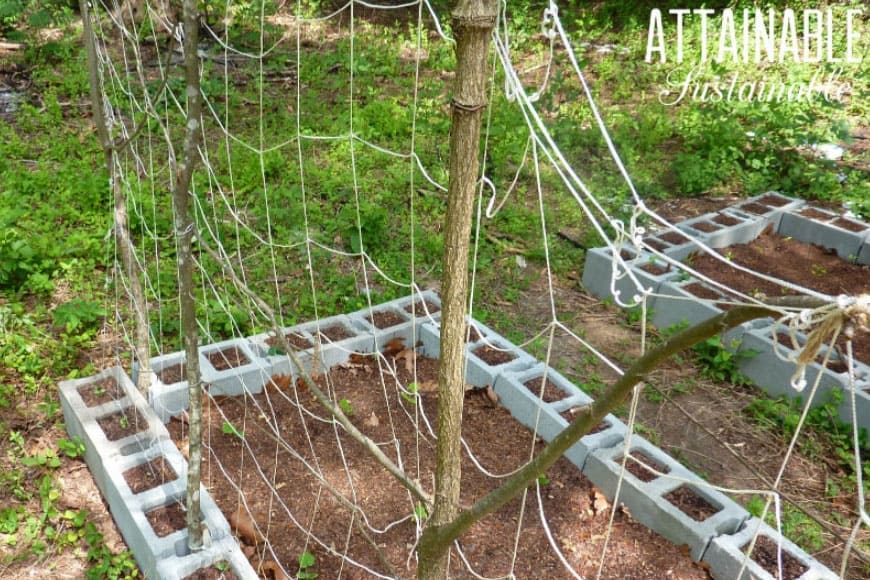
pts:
[320, 189]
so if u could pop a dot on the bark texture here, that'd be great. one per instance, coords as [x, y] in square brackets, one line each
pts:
[473, 22]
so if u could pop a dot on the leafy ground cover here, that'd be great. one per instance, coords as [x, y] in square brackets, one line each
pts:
[57, 293]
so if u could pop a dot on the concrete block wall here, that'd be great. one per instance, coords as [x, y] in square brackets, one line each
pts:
[673, 304]
[646, 500]
[596, 454]
[726, 555]
[108, 460]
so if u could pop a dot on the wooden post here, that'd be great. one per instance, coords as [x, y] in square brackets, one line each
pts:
[121, 228]
[473, 22]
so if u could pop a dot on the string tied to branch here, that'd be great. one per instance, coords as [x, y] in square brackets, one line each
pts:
[825, 324]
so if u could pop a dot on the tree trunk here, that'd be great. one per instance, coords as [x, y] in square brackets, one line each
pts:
[473, 22]
[184, 232]
[141, 350]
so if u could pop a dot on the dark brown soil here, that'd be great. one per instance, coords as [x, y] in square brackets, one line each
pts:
[385, 319]
[571, 414]
[149, 475]
[674, 238]
[815, 214]
[213, 573]
[837, 366]
[726, 220]
[773, 201]
[788, 259]
[765, 553]
[578, 515]
[167, 519]
[849, 225]
[174, 374]
[102, 391]
[756, 208]
[335, 333]
[228, 358]
[655, 244]
[122, 424]
[493, 356]
[690, 503]
[417, 307]
[294, 339]
[641, 472]
[552, 393]
[654, 269]
[705, 227]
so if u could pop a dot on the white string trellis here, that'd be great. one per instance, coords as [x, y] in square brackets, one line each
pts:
[225, 221]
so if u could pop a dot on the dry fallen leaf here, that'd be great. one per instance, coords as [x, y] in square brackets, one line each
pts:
[281, 382]
[243, 525]
[184, 447]
[394, 347]
[409, 356]
[427, 387]
[275, 569]
[599, 502]
[372, 420]
[491, 395]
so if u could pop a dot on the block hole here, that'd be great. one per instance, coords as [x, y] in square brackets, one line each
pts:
[691, 503]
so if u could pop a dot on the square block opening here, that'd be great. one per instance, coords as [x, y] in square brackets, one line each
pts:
[494, 355]
[421, 307]
[706, 227]
[773, 200]
[102, 391]
[294, 339]
[167, 519]
[385, 319]
[640, 471]
[692, 503]
[173, 374]
[765, 555]
[726, 220]
[335, 332]
[123, 424]
[227, 358]
[149, 475]
[551, 394]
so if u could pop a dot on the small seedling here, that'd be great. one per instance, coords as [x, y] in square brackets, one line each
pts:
[420, 512]
[411, 396]
[346, 407]
[306, 563]
[124, 422]
[229, 429]
[543, 479]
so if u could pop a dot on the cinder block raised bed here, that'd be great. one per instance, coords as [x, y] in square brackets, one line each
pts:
[122, 435]
[677, 504]
[681, 299]
[658, 500]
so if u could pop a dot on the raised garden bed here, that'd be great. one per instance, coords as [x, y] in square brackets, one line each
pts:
[773, 234]
[576, 493]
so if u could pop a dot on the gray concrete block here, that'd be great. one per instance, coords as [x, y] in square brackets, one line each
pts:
[864, 252]
[648, 505]
[771, 206]
[246, 378]
[604, 435]
[226, 551]
[773, 374]
[811, 230]
[279, 362]
[746, 230]
[598, 275]
[107, 461]
[328, 351]
[526, 406]
[675, 305]
[726, 557]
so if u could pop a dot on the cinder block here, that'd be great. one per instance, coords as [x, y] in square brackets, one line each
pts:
[773, 374]
[278, 361]
[674, 305]
[725, 555]
[810, 230]
[477, 373]
[527, 407]
[771, 206]
[607, 434]
[246, 378]
[226, 550]
[646, 501]
[746, 230]
[598, 275]
[107, 460]
[335, 351]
